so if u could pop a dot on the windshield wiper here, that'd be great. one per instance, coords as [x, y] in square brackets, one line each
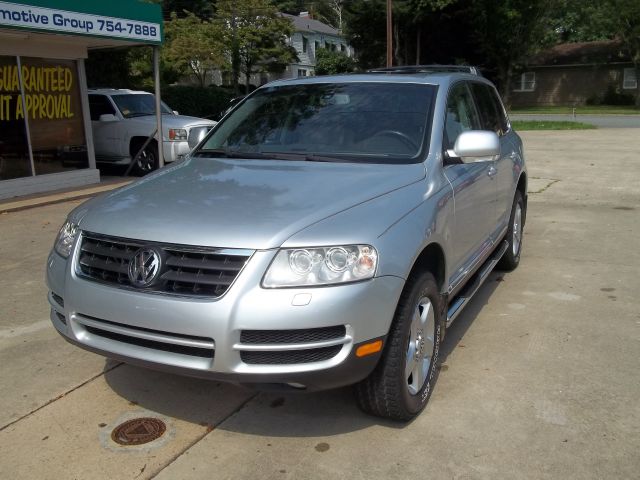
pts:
[139, 114]
[221, 152]
[292, 156]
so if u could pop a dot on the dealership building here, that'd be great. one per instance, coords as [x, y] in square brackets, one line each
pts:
[45, 127]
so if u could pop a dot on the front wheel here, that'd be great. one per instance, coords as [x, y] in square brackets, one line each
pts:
[147, 160]
[402, 382]
[511, 257]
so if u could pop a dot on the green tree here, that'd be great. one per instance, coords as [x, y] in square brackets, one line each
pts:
[413, 21]
[365, 29]
[509, 32]
[625, 16]
[255, 38]
[201, 8]
[140, 61]
[108, 68]
[194, 46]
[329, 63]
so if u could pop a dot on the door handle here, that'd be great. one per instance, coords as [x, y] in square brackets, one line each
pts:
[491, 171]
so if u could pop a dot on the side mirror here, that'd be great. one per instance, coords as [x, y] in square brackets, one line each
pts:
[476, 146]
[175, 112]
[108, 117]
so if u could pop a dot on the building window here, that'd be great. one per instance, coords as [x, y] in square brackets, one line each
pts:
[302, 72]
[305, 44]
[316, 45]
[630, 81]
[342, 47]
[527, 82]
[44, 132]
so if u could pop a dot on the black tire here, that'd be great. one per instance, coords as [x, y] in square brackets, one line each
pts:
[387, 392]
[511, 258]
[147, 162]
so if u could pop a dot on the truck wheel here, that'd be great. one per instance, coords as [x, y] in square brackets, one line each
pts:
[148, 159]
[511, 257]
[401, 383]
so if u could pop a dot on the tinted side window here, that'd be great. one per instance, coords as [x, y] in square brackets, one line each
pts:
[461, 114]
[99, 105]
[491, 111]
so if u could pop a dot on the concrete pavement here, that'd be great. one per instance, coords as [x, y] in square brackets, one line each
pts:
[540, 375]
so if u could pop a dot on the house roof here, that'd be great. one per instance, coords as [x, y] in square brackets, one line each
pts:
[307, 24]
[580, 53]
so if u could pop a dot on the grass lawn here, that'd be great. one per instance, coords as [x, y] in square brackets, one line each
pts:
[520, 125]
[581, 110]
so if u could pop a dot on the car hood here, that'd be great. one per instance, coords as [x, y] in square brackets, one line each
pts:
[255, 204]
[173, 121]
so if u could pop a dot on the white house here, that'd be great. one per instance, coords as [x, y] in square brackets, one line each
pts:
[311, 35]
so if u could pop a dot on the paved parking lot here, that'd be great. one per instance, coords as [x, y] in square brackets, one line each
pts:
[540, 375]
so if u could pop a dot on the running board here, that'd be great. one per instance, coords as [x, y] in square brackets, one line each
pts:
[462, 299]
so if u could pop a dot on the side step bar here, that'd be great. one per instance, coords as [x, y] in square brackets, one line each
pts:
[463, 298]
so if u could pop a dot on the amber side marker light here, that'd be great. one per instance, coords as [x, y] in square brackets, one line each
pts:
[369, 348]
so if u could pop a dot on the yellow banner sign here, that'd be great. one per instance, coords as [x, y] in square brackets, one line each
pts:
[46, 90]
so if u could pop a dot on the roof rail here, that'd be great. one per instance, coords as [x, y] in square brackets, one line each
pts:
[428, 69]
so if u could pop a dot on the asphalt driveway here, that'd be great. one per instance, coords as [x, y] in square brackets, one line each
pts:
[540, 375]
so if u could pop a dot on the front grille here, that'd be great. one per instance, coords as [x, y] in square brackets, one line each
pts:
[185, 270]
[289, 357]
[196, 134]
[292, 336]
[156, 339]
[59, 300]
[142, 342]
[61, 317]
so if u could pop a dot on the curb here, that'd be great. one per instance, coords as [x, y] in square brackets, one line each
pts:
[51, 198]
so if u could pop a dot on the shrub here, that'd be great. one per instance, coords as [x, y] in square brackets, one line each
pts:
[205, 102]
[611, 96]
[329, 63]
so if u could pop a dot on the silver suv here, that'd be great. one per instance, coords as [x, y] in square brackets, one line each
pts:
[324, 233]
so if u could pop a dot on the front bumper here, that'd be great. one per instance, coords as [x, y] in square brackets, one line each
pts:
[175, 150]
[204, 335]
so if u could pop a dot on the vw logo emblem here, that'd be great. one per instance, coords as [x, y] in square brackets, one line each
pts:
[144, 267]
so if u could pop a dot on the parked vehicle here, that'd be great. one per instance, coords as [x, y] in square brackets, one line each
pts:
[326, 232]
[122, 120]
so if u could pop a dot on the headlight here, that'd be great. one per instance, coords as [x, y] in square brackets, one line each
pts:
[177, 134]
[298, 267]
[65, 239]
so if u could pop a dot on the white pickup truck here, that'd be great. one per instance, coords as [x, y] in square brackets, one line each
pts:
[122, 120]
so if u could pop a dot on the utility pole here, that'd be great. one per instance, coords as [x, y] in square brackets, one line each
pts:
[389, 34]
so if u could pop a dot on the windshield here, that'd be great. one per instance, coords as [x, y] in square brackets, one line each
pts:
[137, 105]
[366, 122]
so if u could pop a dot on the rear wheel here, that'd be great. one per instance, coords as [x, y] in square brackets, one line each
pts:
[402, 382]
[147, 160]
[511, 258]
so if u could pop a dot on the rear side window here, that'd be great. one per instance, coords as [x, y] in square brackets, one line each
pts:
[99, 105]
[492, 115]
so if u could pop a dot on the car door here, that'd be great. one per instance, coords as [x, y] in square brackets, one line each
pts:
[474, 189]
[493, 117]
[106, 135]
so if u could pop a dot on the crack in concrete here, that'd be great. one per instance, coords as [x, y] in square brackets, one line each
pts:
[541, 190]
[62, 395]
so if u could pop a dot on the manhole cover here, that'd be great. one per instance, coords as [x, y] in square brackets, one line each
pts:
[138, 431]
